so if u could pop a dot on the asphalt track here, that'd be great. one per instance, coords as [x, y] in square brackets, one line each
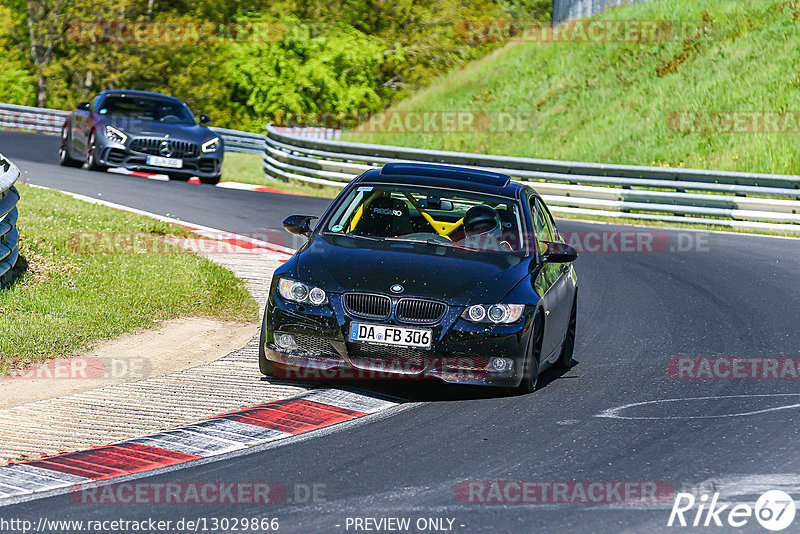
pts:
[727, 296]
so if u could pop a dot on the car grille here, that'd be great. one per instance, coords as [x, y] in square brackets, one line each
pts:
[368, 306]
[387, 358]
[465, 363]
[313, 344]
[420, 311]
[152, 145]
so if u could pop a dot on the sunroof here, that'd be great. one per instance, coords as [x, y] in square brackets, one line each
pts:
[443, 171]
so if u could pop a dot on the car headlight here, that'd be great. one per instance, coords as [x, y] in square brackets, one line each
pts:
[299, 292]
[210, 146]
[112, 134]
[493, 313]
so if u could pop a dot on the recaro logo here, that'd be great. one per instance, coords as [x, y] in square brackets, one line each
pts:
[774, 510]
[387, 211]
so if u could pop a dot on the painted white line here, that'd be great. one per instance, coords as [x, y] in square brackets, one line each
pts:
[139, 174]
[348, 400]
[236, 431]
[238, 185]
[731, 486]
[28, 479]
[615, 413]
[179, 440]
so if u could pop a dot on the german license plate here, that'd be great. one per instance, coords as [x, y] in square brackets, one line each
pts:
[170, 163]
[418, 338]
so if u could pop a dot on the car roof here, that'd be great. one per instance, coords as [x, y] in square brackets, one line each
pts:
[445, 177]
[136, 93]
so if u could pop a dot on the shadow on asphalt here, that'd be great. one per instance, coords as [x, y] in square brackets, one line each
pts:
[432, 390]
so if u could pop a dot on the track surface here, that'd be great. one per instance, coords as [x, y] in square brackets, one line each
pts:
[637, 310]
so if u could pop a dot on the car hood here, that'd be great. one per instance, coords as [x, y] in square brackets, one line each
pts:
[339, 264]
[195, 132]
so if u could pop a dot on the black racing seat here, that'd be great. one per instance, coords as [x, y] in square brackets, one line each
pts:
[385, 217]
[508, 220]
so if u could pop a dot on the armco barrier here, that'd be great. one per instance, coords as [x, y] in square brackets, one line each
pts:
[9, 237]
[50, 121]
[746, 201]
[564, 10]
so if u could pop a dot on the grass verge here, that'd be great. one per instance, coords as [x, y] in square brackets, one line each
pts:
[63, 301]
[614, 102]
[247, 168]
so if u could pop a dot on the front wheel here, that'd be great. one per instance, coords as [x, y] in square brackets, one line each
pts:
[567, 349]
[267, 367]
[530, 373]
[64, 157]
[91, 158]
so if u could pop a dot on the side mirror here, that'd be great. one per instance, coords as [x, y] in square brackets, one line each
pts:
[559, 253]
[205, 119]
[298, 224]
[84, 106]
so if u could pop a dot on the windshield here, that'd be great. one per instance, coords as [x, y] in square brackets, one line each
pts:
[432, 216]
[147, 109]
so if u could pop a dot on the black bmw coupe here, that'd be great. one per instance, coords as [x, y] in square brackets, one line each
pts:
[141, 131]
[425, 271]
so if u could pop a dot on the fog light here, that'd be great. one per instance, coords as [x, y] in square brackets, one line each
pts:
[500, 364]
[285, 342]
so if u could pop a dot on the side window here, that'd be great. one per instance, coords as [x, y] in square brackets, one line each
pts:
[95, 102]
[542, 231]
[548, 219]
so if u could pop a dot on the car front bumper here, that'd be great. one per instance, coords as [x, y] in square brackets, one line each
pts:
[118, 155]
[461, 351]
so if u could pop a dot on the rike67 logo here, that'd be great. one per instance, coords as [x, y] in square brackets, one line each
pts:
[774, 510]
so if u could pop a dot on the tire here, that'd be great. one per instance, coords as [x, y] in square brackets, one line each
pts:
[65, 158]
[267, 367]
[91, 162]
[530, 373]
[565, 358]
[210, 181]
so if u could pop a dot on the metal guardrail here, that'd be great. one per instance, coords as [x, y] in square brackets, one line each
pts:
[9, 237]
[13, 117]
[572, 9]
[719, 198]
